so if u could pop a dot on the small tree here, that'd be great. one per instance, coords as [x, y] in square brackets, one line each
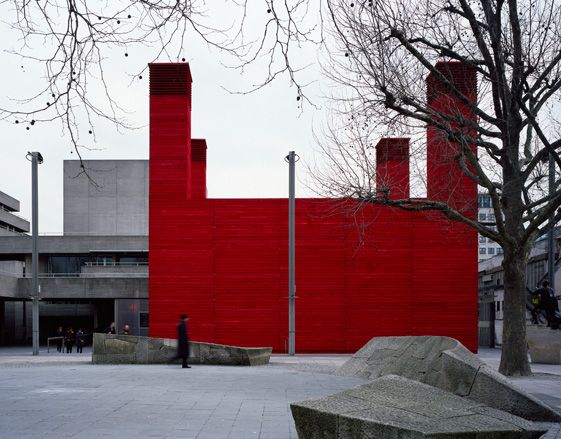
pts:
[385, 49]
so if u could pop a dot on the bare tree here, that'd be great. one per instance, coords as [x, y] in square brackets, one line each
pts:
[71, 41]
[384, 50]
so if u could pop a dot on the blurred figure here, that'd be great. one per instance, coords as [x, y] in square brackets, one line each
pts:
[69, 340]
[183, 341]
[80, 340]
[126, 330]
[111, 329]
[59, 333]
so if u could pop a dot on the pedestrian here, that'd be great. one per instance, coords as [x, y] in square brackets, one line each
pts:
[548, 302]
[111, 329]
[60, 334]
[80, 340]
[69, 340]
[183, 341]
[126, 330]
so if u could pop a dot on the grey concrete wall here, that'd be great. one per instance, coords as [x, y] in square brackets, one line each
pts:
[8, 286]
[10, 202]
[73, 244]
[86, 288]
[113, 201]
[15, 221]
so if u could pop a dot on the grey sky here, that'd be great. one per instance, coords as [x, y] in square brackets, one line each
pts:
[247, 135]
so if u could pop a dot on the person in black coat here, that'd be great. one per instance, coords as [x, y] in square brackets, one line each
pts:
[59, 333]
[183, 341]
[80, 341]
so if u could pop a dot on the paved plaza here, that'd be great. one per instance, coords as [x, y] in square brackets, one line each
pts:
[64, 395]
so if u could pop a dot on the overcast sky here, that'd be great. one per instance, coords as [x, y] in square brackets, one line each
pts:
[247, 135]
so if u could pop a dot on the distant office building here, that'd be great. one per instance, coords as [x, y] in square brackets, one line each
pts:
[487, 247]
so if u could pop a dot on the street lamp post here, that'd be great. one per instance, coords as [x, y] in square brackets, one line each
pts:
[291, 158]
[36, 158]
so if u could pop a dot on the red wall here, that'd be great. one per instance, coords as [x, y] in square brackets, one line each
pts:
[224, 261]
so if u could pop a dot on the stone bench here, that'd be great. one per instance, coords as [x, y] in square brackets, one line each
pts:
[397, 407]
[544, 344]
[131, 349]
[445, 363]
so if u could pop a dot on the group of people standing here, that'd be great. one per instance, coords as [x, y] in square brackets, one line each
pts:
[69, 338]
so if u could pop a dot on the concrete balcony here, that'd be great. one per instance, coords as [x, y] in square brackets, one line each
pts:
[108, 286]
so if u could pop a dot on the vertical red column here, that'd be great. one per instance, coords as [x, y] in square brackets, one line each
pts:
[448, 295]
[170, 188]
[198, 168]
[392, 168]
[445, 155]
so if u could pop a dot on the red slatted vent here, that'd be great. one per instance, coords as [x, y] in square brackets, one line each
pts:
[462, 76]
[198, 150]
[170, 79]
[393, 149]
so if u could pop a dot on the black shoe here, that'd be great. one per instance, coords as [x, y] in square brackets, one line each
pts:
[186, 367]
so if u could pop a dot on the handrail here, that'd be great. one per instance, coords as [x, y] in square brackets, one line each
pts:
[115, 264]
[87, 275]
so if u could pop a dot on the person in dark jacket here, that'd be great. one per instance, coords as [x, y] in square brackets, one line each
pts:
[548, 302]
[59, 333]
[80, 341]
[69, 340]
[183, 341]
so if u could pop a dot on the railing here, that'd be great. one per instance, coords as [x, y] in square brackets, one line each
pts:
[119, 274]
[115, 264]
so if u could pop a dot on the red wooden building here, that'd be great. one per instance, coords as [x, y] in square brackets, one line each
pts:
[224, 261]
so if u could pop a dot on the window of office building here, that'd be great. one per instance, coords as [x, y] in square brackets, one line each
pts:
[491, 251]
[482, 217]
[482, 251]
[481, 238]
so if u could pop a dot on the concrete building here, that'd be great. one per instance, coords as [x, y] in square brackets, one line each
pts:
[94, 273]
[10, 223]
[491, 287]
[487, 247]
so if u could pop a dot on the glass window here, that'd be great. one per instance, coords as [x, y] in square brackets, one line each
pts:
[491, 251]
[482, 217]
[491, 216]
[481, 238]
[499, 250]
[484, 200]
[482, 251]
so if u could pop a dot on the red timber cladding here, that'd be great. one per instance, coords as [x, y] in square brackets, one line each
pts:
[224, 262]
[392, 168]
[198, 168]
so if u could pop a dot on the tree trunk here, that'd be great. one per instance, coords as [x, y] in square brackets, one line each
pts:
[514, 358]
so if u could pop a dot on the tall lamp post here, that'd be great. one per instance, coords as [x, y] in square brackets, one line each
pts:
[35, 158]
[291, 158]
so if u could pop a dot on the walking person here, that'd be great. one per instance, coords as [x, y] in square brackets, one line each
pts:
[183, 341]
[80, 340]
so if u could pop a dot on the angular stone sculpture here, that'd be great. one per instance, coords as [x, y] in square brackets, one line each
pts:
[130, 349]
[445, 363]
[544, 344]
[397, 407]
